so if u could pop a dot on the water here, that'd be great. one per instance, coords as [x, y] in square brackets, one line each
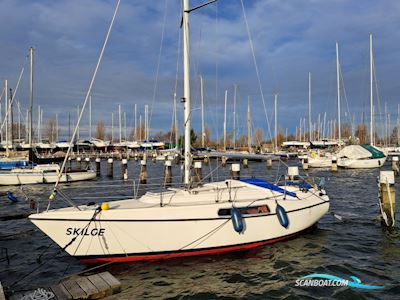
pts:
[356, 245]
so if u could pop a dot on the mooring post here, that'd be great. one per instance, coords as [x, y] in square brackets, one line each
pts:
[136, 156]
[124, 168]
[206, 160]
[143, 171]
[167, 172]
[305, 163]
[69, 163]
[87, 162]
[78, 163]
[110, 167]
[223, 160]
[245, 163]
[293, 173]
[334, 163]
[387, 198]
[235, 171]
[198, 175]
[98, 168]
[269, 163]
[395, 165]
[154, 155]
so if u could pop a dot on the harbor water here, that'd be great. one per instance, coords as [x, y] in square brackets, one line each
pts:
[349, 241]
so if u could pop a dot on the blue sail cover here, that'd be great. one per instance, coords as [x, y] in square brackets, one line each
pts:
[268, 185]
[8, 165]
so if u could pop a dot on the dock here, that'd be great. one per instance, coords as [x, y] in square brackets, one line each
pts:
[95, 286]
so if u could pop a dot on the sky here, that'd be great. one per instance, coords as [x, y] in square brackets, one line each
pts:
[142, 63]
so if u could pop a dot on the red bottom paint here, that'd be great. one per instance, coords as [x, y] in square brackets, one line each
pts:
[183, 253]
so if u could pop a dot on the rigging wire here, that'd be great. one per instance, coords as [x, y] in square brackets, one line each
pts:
[89, 91]
[256, 68]
[13, 96]
[158, 68]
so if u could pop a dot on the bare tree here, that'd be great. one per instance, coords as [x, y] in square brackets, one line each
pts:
[258, 136]
[51, 130]
[100, 130]
[362, 133]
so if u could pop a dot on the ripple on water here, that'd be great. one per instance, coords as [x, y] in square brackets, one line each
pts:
[354, 246]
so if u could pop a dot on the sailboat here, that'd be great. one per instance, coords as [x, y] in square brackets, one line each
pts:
[323, 159]
[213, 218]
[31, 173]
[364, 156]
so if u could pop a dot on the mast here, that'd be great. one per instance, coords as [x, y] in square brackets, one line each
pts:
[276, 122]
[11, 117]
[226, 100]
[124, 125]
[119, 123]
[338, 90]
[77, 122]
[146, 109]
[176, 123]
[56, 127]
[140, 127]
[90, 117]
[135, 133]
[234, 115]
[300, 136]
[398, 124]
[6, 109]
[248, 125]
[371, 90]
[186, 87]
[202, 112]
[309, 106]
[30, 129]
[38, 134]
[112, 127]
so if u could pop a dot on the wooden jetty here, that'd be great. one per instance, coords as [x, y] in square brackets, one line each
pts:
[95, 286]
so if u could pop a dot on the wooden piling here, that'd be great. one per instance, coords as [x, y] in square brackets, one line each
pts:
[245, 163]
[78, 163]
[124, 168]
[198, 174]
[98, 168]
[334, 167]
[143, 171]
[206, 160]
[110, 167]
[387, 198]
[167, 172]
[87, 162]
[2, 296]
[69, 163]
[269, 163]
[293, 173]
[395, 165]
[305, 163]
[223, 160]
[235, 171]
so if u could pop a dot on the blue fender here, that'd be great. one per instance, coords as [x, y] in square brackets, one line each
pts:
[282, 216]
[11, 197]
[237, 220]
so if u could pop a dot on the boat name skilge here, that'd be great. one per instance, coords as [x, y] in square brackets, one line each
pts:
[86, 231]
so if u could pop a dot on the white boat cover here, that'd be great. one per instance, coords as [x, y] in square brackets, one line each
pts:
[354, 152]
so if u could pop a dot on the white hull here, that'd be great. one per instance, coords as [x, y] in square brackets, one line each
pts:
[368, 163]
[35, 177]
[188, 224]
[320, 162]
